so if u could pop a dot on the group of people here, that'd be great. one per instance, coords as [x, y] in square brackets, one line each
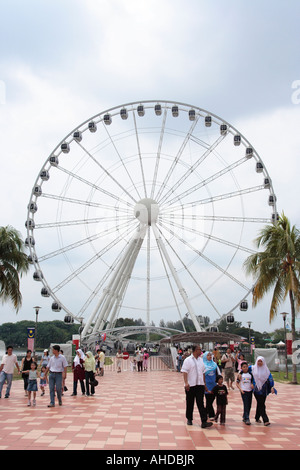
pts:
[139, 362]
[203, 378]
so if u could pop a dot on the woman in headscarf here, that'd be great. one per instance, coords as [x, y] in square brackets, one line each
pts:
[211, 373]
[90, 369]
[263, 385]
[78, 372]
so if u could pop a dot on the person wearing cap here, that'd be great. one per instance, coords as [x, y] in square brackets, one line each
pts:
[45, 359]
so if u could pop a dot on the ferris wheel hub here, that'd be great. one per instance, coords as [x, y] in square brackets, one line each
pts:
[146, 211]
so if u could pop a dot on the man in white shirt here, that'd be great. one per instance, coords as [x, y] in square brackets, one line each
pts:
[194, 383]
[9, 362]
[58, 371]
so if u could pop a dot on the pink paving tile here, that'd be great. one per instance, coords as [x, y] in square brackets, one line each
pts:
[148, 414]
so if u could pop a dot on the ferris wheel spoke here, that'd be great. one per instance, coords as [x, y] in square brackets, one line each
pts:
[86, 203]
[68, 223]
[210, 261]
[88, 263]
[92, 185]
[190, 274]
[107, 172]
[140, 155]
[210, 237]
[192, 169]
[205, 182]
[216, 218]
[82, 242]
[176, 159]
[158, 153]
[212, 199]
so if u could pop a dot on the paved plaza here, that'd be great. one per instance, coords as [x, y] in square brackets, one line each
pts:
[142, 411]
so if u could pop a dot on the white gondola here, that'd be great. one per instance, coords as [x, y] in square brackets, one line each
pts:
[65, 147]
[30, 241]
[124, 113]
[33, 207]
[30, 223]
[175, 111]
[223, 129]
[192, 115]
[259, 167]
[53, 160]
[249, 152]
[275, 218]
[272, 200]
[45, 292]
[37, 191]
[244, 305]
[92, 126]
[77, 136]
[37, 276]
[157, 109]
[45, 175]
[267, 183]
[56, 307]
[32, 259]
[237, 139]
[107, 119]
[230, 319]
[141, 110]
[207, 121]
[69, 319]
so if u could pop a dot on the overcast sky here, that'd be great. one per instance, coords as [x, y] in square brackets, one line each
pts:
[62, 62]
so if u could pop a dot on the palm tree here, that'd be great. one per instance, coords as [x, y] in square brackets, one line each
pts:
[278, 267]
[13, 264]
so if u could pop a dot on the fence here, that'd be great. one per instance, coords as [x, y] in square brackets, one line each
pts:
[154, 363]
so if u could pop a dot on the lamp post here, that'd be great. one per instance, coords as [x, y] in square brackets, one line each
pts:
[284, 315]
[249, 323]
[37, 308]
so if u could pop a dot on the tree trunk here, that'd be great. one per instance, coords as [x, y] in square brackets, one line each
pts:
[294, 365]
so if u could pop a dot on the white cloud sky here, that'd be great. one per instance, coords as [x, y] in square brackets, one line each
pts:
[64, 61]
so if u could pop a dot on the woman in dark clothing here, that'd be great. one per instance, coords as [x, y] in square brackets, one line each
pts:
[25, 366]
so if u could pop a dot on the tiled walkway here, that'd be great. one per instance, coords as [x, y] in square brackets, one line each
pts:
[141, 411]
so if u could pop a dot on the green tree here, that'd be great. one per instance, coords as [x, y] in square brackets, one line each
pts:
[13, 264]
[277, 267]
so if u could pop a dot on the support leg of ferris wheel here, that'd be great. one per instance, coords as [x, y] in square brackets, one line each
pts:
[122, 280]
[99, 308]
[176, 278]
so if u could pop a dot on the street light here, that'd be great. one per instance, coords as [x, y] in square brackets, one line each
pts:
[249, 323]
[36, 324]
[284, 315]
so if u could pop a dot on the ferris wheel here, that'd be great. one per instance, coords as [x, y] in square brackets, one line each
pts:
[148, 210]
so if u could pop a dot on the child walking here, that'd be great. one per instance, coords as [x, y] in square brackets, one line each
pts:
[43, 380]
[220, 391]
[245, 385]
[32, 383]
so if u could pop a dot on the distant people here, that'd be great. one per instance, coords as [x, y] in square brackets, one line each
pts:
[101, 362]
[90, 370]
[211, 373]
[146, 360]
[139, 360]
[119, 358]
[194, 383]
[263, 386]
[25, 367]
[228, 361]
[221, 393]
[179, 360]
[78, 372]
[57, 370]
[245, 385]
[9, 362]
